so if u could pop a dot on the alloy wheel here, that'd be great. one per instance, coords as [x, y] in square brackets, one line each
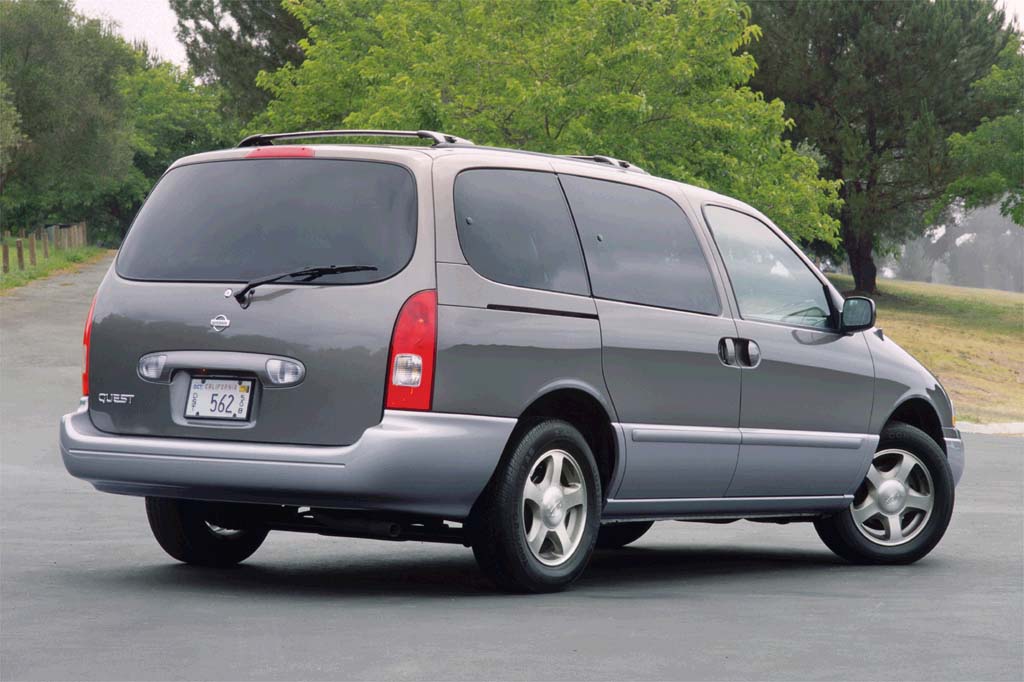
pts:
[895, 501]
[554, 507]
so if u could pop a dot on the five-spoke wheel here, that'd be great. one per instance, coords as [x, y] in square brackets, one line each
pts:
[554, 507]
[902, 508]
[895, 501]
[535, 526]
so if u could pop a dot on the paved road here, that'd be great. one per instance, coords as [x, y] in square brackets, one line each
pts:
[87, 594]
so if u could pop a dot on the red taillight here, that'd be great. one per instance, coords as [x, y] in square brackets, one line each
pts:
[413, 345]
[280, 153]
[85, 349]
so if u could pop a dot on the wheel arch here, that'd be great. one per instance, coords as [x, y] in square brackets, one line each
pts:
[920, 413]
[588, 413]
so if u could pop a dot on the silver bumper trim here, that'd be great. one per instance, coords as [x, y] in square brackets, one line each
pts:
[955, 453]
[415, 462]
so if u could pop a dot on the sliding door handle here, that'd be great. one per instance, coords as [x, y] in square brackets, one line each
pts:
[727, 352]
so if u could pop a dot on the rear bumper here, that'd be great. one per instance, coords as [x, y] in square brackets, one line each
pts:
[413, 462]
[954, 453]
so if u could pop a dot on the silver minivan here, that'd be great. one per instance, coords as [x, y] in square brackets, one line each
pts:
[528, 354]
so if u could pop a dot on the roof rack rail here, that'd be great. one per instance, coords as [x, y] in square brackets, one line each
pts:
[265, 139]
[618, 163]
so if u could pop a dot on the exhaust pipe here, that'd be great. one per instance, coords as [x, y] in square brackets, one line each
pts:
[357, 527]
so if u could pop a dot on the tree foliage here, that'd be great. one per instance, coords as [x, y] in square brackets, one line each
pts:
[11, 136]
[659, 83]
[99, 119]
[877, 88]
[989, 161]
[61, 70]
[228, 42]
[168, 116]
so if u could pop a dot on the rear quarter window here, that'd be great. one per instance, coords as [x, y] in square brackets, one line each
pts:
[233, 221]
[640, 247]
[515, 228]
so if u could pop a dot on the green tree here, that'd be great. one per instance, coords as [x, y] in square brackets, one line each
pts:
[989, 161]
[168, 116]
[11, 136]
[62, 73]
[230, 41]
[877, 88]
[660, 83]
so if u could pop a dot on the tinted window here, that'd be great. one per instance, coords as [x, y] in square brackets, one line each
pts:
[640, 247]
[515, 228]
[770, 281]
[232, 221]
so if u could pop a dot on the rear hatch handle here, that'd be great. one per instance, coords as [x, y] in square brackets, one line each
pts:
[307, 274]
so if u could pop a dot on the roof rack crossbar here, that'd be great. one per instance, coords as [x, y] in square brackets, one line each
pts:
[265, 139]
[600, 158]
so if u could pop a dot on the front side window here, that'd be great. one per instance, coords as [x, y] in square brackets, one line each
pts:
[770, 281]
[640, 247]
[514, 228]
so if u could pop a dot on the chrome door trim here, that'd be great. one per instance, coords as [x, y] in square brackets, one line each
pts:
[683, 434]
[668, 433]
[803, 439]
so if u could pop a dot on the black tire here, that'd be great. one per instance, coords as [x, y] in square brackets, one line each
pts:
[181, 528]
[498, 525]
[840, 533]
[618, 535]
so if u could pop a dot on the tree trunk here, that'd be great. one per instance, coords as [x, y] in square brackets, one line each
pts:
[859, 248]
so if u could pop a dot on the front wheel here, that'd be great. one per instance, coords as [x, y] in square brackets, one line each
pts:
[536, 524]
[192, 533]
[902, 509]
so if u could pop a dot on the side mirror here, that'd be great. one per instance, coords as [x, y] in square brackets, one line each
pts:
[858, 314]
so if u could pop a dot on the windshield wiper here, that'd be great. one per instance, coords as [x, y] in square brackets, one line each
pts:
[307, 274]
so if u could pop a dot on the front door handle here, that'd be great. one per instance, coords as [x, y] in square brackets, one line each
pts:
[752, 353]
[727, 352]
[739, 352]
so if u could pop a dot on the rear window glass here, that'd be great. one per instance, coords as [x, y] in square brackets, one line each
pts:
[515, 228]
[233, 221]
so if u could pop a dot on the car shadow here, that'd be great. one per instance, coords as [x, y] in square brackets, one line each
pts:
[455, 574]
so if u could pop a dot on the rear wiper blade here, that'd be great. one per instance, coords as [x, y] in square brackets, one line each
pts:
[307, 274]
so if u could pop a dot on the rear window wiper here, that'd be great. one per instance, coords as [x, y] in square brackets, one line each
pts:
[307, 274]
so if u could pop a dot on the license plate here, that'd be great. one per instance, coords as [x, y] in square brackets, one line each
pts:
[219, 399]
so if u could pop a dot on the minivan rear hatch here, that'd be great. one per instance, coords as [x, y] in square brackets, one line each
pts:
[206, 230]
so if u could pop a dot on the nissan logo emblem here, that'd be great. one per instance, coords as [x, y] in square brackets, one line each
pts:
[220, 323]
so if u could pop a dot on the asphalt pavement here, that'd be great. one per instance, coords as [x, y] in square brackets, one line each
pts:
[86, 593]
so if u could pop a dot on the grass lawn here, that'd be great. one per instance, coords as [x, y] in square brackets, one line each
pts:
[59, 261]
[972, 339]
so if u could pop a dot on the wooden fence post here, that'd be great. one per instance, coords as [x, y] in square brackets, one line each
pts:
[32, 250]
[7, 258]
[21, 254]
[46, 245]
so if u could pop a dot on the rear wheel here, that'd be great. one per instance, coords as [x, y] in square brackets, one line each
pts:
[192, 532]
[535, 527]
[902, 509]
[618, 535]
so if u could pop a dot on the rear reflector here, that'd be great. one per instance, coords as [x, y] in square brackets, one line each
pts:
[85, 348]
[282, 152]
[413, 347]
